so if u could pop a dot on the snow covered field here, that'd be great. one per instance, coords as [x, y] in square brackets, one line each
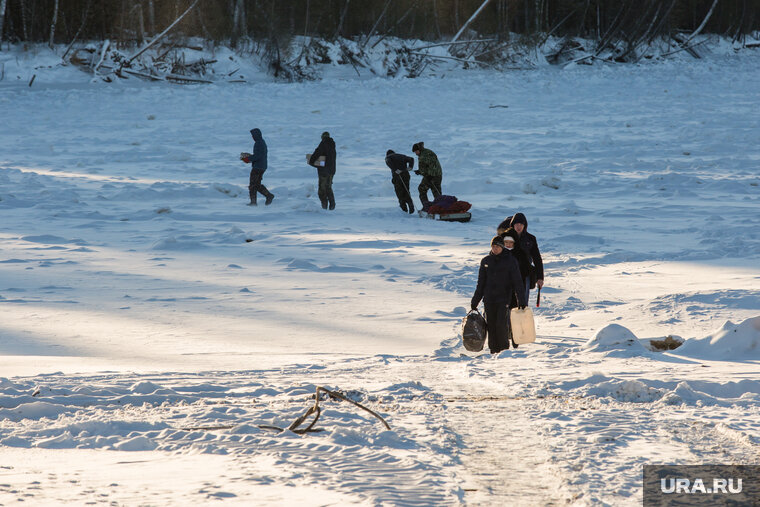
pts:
[150, 321]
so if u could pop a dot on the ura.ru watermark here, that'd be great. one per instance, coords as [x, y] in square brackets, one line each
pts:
[694, 486]
[698, 485]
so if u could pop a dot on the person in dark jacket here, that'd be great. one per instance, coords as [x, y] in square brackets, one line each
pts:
[325, 172]
[522, 258]
[400, 165]
[498, 279]
[430, 169]
[527, 248]
[258, 161]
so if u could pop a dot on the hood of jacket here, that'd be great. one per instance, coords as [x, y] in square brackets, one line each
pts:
[519, 218]
[256, 134]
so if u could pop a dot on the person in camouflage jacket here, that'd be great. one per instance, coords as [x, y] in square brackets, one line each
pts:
[430, 170]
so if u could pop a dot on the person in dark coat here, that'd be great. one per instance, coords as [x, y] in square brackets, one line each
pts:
[325, 172]
[527, 248]
[510, 237]
[258, 161]
[522, 258]
[498, 279]
[400, 165]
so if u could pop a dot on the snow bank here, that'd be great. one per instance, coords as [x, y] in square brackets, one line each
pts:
[633, 391]
[311, 58]
[34, 410]
[615, 339]
[695, 393]
[730, 343]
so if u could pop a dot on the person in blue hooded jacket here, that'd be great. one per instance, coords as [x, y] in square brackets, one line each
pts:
[258, 161]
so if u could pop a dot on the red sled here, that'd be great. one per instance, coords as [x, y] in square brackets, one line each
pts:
[447, 217]
[448, 209]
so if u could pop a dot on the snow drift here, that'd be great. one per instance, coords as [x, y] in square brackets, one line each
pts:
[731, 342]
[615, 339]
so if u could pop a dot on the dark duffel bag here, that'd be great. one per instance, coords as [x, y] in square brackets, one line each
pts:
[474, 331]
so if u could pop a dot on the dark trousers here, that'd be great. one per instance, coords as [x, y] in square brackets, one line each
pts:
[255, 186]
[325, 191]
[432, 183]
[499, 335]
[401, 186]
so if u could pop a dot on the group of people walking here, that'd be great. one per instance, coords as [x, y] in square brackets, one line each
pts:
[507, 274]
[323, 159]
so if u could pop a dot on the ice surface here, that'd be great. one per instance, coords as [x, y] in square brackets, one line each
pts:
[151, 323]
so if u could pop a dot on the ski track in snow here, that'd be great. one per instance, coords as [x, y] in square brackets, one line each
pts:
[151, 321]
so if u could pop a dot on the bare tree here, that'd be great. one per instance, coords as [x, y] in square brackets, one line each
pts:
[238, 21]
[22, 8]
[81, 27]
[141, 23]
[53, 23]
[339, 30]
[437, 21]
[400, 20]
[151, 17]
[618, 25]
[377, 22]
[3, 4]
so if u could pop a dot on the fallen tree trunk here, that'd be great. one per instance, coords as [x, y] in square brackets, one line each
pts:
[76, 35]
[688, 49]
[472, 18]
[456, 43]
[702, 25]
[103, 51]
[447, 58]
[162, 34]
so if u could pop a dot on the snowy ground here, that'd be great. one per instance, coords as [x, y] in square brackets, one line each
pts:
[150, 321]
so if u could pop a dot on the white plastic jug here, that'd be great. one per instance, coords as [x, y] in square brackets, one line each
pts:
[523, 328]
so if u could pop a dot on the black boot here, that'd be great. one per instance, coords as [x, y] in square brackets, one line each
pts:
[269, 200]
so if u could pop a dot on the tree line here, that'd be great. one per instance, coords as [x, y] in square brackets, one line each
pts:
[227, 21]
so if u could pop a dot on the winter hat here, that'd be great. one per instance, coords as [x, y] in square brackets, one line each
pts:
[389, 152]
[325, 135]
[510, 233]
[415, 147]
[519, 218]
[497, 240]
